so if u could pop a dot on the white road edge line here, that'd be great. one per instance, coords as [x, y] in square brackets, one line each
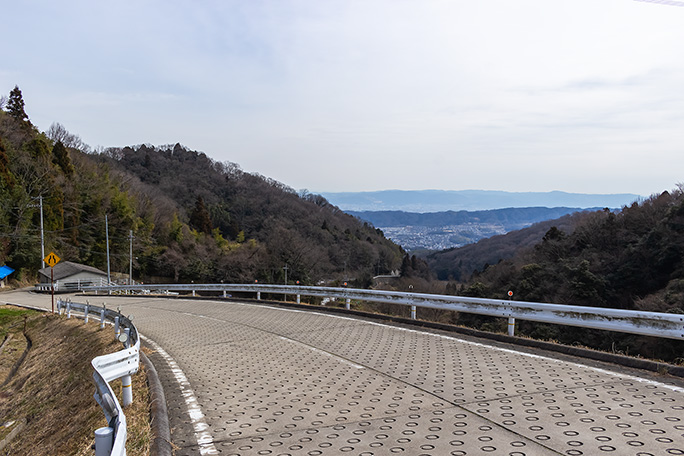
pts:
[202, 435]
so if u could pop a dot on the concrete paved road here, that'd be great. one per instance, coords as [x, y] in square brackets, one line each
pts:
[247, 379]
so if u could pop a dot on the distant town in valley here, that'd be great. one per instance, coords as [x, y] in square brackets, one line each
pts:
[438, 220]
[413, 238]
[445, 230]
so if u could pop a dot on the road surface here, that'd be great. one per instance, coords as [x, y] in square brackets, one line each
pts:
[248, 379]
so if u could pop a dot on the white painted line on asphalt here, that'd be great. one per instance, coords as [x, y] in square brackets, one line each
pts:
[202, 435]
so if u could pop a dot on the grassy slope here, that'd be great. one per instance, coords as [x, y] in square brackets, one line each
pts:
[53, 388]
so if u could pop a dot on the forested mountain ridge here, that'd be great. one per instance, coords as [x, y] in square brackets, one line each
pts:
[459, 263]
[301, 230]
[629, 259]
[191, 218]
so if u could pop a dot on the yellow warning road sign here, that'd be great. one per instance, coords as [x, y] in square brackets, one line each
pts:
[51, 260]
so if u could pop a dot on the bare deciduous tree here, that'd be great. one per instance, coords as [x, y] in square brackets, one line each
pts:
[57, 132]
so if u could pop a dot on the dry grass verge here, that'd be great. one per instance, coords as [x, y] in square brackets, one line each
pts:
[52, 391]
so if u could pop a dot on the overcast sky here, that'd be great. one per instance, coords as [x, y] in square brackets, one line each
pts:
[345, 95]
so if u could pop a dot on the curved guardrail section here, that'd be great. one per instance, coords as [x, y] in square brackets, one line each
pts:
[656, 324]
[121, 364]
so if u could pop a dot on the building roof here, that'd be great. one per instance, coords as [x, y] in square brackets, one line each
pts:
[65, 269]
[5, 271]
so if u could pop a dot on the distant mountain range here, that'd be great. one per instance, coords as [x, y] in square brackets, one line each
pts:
[470, 200]
[509, 218]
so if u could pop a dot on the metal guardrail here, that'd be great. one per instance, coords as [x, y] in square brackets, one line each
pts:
[69, 285]
[656, 324]
[122, 364]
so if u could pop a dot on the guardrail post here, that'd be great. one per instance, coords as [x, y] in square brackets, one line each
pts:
[102, 317]
[117, 328]
[68, 309]
[104, 441]
[85, 313]
[511, 326]
[126, 381]
[348, 304]
[298, 299]
[193, 292]
[258, 296]
[224, 293]
[413, 312]
[126, 390]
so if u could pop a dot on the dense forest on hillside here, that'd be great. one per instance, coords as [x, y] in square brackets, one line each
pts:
[459, 264]
[628, 259]
[191, 218]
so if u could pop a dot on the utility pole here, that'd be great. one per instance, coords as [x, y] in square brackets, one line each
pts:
[130, 256]
[109, 277]
[42, 232]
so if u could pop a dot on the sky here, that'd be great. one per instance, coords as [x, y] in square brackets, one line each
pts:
[355, 95]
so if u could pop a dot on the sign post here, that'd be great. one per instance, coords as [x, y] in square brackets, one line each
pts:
[51, 261]
[511, 320]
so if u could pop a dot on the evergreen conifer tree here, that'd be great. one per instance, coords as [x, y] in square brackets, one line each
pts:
[15, 105]
[60, 157]
[199, 218]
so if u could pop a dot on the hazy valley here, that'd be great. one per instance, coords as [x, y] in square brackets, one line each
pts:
[445, 230]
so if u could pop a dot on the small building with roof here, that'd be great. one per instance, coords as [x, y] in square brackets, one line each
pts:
[69, 276]
[4, 272]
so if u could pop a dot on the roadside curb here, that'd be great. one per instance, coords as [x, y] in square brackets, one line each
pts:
[161, 434]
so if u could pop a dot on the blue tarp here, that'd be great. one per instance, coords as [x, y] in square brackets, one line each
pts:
[5, 271]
